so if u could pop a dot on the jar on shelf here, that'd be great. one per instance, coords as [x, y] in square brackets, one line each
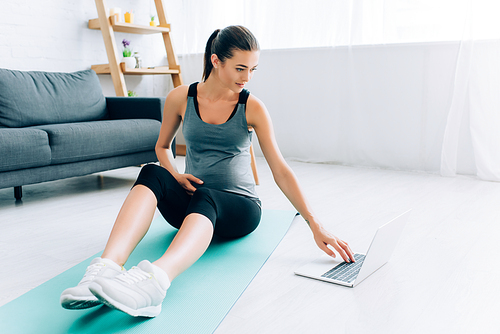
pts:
[138, 60]
[116, 12]
[129, 17]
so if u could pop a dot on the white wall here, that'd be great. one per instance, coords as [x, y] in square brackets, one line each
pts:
[54, 36]
[381, 106]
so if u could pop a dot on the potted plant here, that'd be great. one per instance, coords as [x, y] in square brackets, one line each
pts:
[127, 55]
[152, 22]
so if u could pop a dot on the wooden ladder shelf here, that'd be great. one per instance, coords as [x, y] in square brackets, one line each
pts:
[109, 25]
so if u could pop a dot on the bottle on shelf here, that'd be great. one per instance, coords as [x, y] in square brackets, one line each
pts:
[138, 60]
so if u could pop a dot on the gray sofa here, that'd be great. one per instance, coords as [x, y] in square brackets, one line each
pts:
[60, 125]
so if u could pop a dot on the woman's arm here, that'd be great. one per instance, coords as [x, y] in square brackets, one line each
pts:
[173, 112]
[258, 117]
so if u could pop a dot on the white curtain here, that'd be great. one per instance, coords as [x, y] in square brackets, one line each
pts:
[476, 98]
[473, 111]
[284, 24]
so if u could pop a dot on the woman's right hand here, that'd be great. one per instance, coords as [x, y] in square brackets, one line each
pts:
[186, 181]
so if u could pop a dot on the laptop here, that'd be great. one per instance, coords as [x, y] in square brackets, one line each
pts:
[336, 271]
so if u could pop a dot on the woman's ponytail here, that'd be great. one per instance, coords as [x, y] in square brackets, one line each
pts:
[207, 64]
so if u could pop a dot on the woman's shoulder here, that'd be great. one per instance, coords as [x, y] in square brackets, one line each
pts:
[177, 100]
[178, 93]
[256, 111]
[254, 104]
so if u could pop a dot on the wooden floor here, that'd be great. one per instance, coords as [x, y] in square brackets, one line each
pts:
[444, 276]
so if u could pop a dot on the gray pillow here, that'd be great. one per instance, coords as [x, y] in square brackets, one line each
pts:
[35, 98]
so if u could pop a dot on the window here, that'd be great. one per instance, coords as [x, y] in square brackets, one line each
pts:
[280, 24]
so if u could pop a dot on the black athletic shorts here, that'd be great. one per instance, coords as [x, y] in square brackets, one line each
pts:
[232, 215]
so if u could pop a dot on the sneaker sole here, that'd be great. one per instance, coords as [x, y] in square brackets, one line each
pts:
[149, 312]
[70, 302]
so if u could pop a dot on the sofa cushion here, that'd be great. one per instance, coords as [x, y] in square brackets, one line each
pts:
[23, 148]
[73, 142]
[33, 98]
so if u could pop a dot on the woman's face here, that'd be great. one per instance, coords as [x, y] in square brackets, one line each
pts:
[237, 71]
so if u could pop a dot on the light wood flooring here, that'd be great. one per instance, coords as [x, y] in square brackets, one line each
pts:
[444, 276]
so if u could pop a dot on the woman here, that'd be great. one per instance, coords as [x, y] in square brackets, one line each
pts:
[216, 195]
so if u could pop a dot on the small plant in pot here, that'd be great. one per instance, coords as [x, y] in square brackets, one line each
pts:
[127, 55]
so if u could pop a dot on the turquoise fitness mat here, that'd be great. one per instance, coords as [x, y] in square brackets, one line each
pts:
[197, 301]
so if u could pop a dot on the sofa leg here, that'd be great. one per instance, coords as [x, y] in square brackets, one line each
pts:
[18, 192]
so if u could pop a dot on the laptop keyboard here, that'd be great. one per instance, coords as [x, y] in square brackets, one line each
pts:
[346, 272]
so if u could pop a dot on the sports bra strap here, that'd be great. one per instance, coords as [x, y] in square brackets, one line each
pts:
[244, 94]
[192, 89]
[243, 97]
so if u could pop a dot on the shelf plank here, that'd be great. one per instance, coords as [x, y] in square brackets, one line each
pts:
[104, 69]
[129, 27]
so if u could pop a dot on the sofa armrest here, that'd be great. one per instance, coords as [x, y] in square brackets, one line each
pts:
[135, 107]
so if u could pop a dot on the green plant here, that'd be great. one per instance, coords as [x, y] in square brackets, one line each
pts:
[127, 51]
[131, 93]
[152, 18]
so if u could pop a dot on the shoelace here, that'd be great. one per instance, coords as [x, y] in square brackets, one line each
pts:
[92, 272]
[134, 275]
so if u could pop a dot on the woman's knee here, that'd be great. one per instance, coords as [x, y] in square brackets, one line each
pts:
[151, 170]
[246, 222]
[237, 217]
[151, 176]
[203, 202]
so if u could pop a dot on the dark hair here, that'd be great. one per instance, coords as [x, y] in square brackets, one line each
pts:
[224, 42]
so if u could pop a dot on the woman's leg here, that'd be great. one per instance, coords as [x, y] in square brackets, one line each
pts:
[189, 244]
[232, 215]
[131, 225]
[155, 186]
[136, 293]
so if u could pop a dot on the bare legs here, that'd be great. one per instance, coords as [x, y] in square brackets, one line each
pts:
[189, 244]
[131, 225]
[134, 220]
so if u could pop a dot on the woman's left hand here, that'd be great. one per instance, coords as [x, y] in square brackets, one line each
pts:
[323, 238]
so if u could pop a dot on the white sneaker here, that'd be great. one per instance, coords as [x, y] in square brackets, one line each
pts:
[139, 292]
[80, 297]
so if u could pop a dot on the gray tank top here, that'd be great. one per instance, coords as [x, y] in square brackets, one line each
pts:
[219, 154]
